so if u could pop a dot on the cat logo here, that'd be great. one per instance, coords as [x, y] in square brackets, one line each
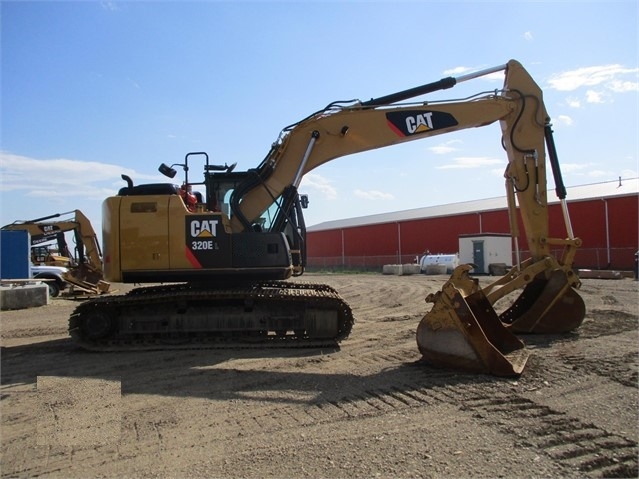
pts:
[419, 123]
[413, 122]
[203, 228]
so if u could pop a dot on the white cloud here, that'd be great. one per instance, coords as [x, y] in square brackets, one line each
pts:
[574, 167]
[62, 177]
[589, 172]
[594, 96]
[497, 76]
[598, 174]
[319, 184]
[110, 6]
[607, 76]
[457, 71]
[444, 148]
[471, 162]
[373, 195]
[619, 86]
[528, 36]
[565, 120]
[573, 102]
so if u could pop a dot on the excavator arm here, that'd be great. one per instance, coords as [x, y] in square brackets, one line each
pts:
[344, 130]
[331, 135]
[341, 130]
[462, 328]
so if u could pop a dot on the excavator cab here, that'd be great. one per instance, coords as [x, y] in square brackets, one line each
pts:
[158, 233]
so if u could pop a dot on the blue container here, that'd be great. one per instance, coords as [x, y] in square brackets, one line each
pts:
[15, 260]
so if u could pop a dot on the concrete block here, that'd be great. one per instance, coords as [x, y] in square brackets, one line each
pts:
[599, 274]
[401, 269]
[21, 296]
[390, 269]
[411, 268]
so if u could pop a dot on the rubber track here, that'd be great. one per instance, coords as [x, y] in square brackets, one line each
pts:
[165, 295]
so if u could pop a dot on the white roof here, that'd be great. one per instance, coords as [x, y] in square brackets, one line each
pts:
[608, 189]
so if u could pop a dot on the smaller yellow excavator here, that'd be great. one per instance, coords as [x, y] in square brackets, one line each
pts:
[86, 273]
[48, 255]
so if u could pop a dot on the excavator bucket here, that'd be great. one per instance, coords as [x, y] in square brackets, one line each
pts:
[546, 306]
[463, 331]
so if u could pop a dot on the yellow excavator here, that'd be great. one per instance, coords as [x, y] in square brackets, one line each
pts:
[224, 252]
[85, 273]
[48, 255]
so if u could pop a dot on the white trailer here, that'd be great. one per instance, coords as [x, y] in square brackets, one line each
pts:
[492, 253]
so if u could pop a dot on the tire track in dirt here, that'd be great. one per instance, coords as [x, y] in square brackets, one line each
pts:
[574, 444]
[622, 369]
[195, 405]
[568, 441]
[611, 455]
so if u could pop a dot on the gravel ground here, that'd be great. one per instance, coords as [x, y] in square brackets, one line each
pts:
[368, 409]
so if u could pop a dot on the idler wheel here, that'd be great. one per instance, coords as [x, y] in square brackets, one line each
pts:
[97, 325]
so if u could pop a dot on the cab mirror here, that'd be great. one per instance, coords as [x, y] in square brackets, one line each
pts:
[167, 171]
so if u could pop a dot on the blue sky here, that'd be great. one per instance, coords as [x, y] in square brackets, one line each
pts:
[91, 90]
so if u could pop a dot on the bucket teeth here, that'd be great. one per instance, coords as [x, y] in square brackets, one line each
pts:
[546, 306]
[463, 331]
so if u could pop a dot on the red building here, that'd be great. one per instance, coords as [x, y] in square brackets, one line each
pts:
[603, 215]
